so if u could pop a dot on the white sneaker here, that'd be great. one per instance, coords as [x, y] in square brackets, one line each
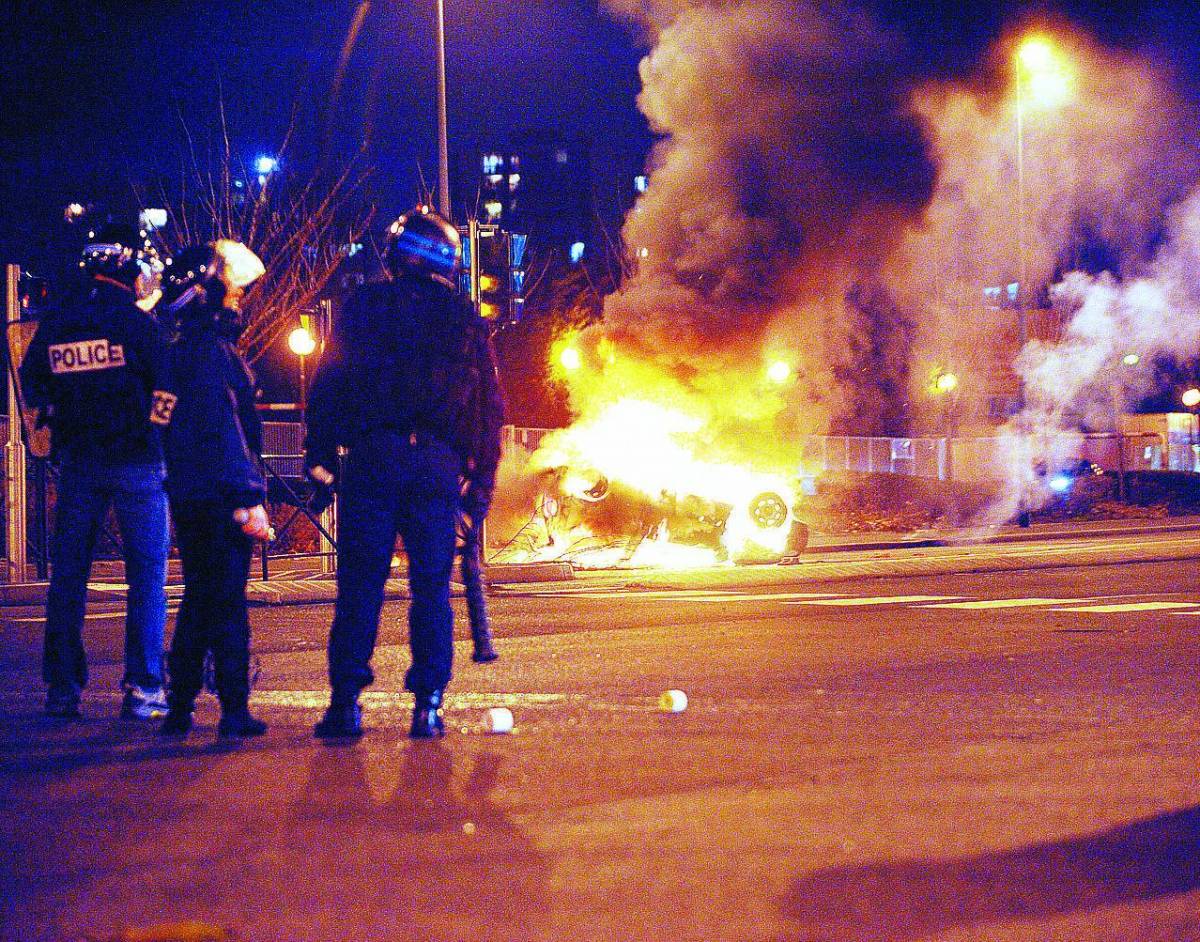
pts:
[141, 703]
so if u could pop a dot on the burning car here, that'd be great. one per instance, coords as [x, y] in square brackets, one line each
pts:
[637, 486]
[619, 511]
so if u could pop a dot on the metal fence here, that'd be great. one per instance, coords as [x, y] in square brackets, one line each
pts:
[283, 447]
[994, 458]
[967, 459]
[922, 457]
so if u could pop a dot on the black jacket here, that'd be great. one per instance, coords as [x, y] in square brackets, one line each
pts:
[94, 364]
[408, 356]
[213, 433]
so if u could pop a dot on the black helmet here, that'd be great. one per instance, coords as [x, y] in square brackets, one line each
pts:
[424, 244]
[201, 276]
[116, 252]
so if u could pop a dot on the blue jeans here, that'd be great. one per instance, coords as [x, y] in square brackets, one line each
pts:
[85, 492]
[392, 486]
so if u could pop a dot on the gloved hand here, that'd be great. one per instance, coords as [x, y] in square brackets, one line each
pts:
[476, 499]
[254, 523]
[323, 481]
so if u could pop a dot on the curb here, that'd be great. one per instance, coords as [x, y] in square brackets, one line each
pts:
[1021, 536]
[296, 591]
[501, 573]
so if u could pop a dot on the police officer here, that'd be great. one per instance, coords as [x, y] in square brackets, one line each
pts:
[93, 368]
[408, 386]
[213, 440]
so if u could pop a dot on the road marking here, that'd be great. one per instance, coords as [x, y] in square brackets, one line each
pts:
[36, 619]
[878, 600]
[1005, 603]
[679, 595]
[383, 699]
[764, 596]
[1131, 607]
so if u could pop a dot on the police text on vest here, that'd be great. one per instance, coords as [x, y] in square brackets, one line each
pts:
[82, 356]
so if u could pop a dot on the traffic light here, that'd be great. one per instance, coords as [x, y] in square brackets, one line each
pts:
[33, 294]
[516, 275]
[495, 275]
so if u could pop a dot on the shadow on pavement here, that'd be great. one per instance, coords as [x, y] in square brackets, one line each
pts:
[281, 839]
[906, 899]
[408, 841]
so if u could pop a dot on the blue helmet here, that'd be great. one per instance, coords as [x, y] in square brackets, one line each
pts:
[116, 251]
[426, 245]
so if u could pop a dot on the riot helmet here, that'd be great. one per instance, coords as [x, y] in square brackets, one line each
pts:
[116, 252]
[209, 276]
[423, 244]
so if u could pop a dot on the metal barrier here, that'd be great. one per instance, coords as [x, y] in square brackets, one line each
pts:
[526, 439]
[987, 459]
[968, 459]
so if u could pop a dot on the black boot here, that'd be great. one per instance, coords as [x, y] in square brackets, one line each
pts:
[180, 703]
[178, 723]
[63, 703]
[427, 716]
[485, 652]
[238, 724]
[341, 721]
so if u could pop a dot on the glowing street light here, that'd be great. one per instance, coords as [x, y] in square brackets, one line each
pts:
[1048, 78]
[569, 359]
[265, 165]
[1131, 359]
[779, 372]
[301, 342]
[946, 383]
[1191, 398]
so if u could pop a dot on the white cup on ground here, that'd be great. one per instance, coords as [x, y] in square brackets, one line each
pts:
[672, 701]
[498, 720]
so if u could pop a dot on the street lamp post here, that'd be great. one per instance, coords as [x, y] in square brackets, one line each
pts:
[1191, 399]
[945, 386]
[1022, 253]
[302, 343]
[443, 143]
[1042, 76]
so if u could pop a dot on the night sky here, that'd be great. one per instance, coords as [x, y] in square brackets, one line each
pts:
[97, 93]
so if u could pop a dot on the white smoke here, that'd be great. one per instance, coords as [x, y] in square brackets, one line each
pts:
[1153, 314]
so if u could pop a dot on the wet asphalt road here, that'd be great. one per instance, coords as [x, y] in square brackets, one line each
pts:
[949, 757]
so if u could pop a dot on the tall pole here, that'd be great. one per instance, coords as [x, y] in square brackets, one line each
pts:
[443, 145]
[329, 514]
[1022, 251]
[1023, 518]
[14, 452]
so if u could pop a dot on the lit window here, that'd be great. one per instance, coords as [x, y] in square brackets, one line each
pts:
[560, 156]
[492, 163]
[495, 178]
[577, 252]
[643, 252]
[514, 162]
[640, 182]
[493, 208]
[514, 180]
